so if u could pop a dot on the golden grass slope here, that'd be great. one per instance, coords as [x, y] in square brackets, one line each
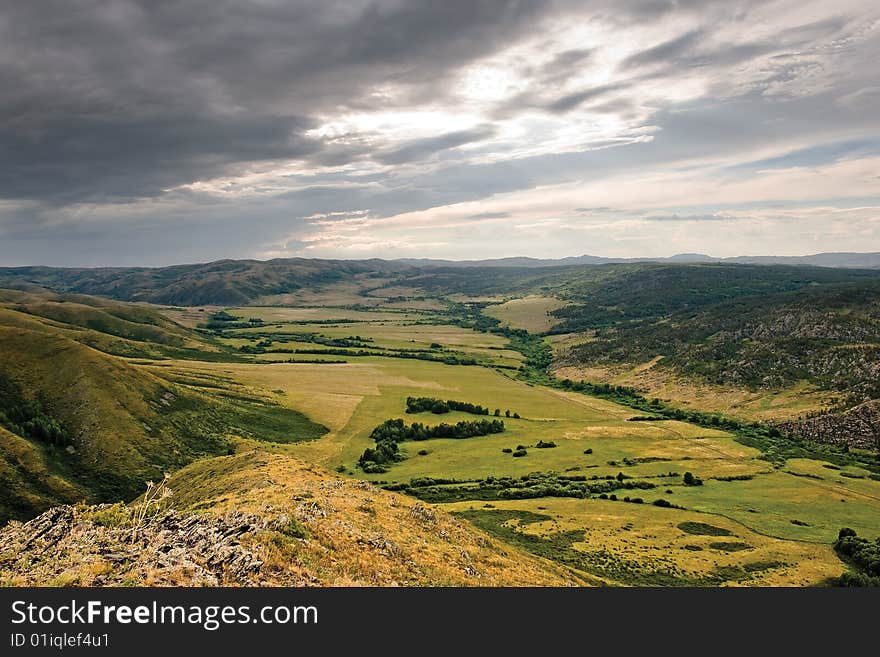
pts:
[531, 313]
[356, 534]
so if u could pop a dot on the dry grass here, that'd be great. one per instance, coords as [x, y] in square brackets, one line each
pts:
[650, 537]
[760, 405]
[531, 313]
[355, 533]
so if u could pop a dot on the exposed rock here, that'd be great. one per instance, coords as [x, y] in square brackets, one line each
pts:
[856, 427]
[168, 548]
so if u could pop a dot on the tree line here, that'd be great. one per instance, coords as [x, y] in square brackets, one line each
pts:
[441, 406]
[862, 554]
[390, 433]
[28, 417]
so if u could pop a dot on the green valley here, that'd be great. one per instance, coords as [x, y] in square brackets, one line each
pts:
[633, 424]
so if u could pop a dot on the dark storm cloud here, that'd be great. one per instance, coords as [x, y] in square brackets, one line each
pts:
[119, 103]
[124, 99]
[116, 158]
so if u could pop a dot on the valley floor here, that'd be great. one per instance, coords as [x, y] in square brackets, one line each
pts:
[763, 524]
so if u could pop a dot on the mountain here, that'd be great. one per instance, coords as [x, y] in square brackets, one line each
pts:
[853, 260]
[243, 282]
[848, 260]
[730, 337]
[225, 282]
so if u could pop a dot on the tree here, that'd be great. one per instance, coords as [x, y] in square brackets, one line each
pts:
[691, 480]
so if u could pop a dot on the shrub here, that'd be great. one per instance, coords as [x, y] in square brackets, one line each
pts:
[862, 554]
[691, 480]
[117, 515]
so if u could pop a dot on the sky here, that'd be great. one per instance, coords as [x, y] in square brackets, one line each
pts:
[154, 132]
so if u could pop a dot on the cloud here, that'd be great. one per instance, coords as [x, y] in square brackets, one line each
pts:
[143, 131]
[690, 217]
[483, 216]
[419, 149]
[572, 100]
[663, 52]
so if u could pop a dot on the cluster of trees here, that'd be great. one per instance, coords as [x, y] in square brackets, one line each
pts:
[440, 406]
[690, 480]
[863, 554]
[222, 320]
[446, 359]
[398, 431]
[390, 433]
[28, 417]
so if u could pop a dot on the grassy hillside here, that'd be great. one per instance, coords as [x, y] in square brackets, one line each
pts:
[226, 282]
[612, 294]
[827, 335]
[259, 518]
[79, 423]
[122, 329]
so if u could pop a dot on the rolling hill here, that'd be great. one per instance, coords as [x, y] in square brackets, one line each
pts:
[244, 282]
[78, 423]
[225, 282]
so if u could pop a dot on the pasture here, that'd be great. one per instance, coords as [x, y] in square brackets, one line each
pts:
[531, 313]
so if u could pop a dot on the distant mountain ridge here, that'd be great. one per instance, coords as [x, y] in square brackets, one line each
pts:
[244, 282]
[839, 260]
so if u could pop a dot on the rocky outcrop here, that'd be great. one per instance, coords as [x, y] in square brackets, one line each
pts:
[856, 427]
[166, 549]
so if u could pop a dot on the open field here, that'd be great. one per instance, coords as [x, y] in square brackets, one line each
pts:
[531, 313]
[310, 329]
[644, 545]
